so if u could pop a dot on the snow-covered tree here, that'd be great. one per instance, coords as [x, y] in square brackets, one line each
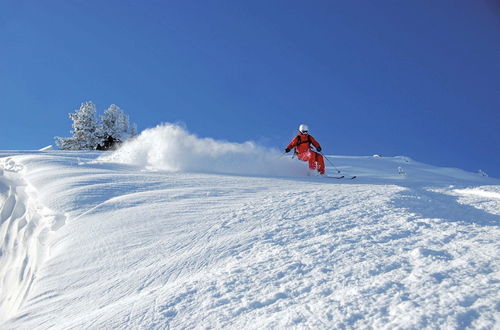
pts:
[115, 123]
[89, 134]
[85, 129]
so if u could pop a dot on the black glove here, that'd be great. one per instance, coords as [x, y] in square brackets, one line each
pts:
[287, 150]
[319, 149]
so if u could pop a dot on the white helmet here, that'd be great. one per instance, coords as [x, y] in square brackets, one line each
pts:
[303, 128]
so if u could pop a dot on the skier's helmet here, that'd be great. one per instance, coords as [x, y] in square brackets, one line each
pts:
[303, 129]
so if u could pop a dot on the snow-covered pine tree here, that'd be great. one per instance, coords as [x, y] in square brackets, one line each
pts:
[112, 123]
[115, 128]
[115, 123]
[85, 129]
[66, 143]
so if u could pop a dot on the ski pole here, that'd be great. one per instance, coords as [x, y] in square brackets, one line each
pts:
[338, 171]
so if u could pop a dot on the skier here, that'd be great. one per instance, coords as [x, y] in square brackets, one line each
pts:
[302, 144]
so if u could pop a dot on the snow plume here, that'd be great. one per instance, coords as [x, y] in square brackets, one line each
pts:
[169, 147]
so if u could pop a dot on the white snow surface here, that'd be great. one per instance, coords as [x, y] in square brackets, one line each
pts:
[157, 236]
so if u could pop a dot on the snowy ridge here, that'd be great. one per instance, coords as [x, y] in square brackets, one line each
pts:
[24, 229]
[150, 246]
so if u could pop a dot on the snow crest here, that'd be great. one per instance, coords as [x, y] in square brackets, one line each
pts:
[170, 147]
[25, 226]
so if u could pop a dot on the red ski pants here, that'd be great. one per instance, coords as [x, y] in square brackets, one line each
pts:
[313, 158]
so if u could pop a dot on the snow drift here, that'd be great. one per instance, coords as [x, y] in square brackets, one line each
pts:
[170, 147]
[25, 227]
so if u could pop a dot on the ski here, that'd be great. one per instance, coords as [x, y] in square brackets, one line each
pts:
[332, 177]
[340, 177]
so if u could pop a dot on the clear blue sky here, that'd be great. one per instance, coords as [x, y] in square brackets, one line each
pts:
[416, 78]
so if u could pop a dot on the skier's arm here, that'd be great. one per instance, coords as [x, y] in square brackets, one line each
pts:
[291, 145]
[315, 144]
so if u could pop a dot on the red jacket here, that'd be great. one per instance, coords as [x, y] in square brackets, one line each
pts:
[302, 143]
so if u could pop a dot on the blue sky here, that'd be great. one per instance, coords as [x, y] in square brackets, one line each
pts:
[414, 78]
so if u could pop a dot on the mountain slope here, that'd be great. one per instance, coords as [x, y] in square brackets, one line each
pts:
[132, 248]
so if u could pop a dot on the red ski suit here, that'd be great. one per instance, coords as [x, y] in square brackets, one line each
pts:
[302, 144]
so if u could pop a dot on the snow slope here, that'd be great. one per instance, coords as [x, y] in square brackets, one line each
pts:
[113, 241]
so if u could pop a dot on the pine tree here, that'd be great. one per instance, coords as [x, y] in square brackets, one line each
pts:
[85, 132]
[115, 123]
[88, 134]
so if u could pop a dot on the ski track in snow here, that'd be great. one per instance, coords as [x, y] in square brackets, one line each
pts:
[163, 250]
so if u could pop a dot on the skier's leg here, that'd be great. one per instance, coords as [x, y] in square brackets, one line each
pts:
[303, 156]
[309, 157]
[312, 159]
[321, 163]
